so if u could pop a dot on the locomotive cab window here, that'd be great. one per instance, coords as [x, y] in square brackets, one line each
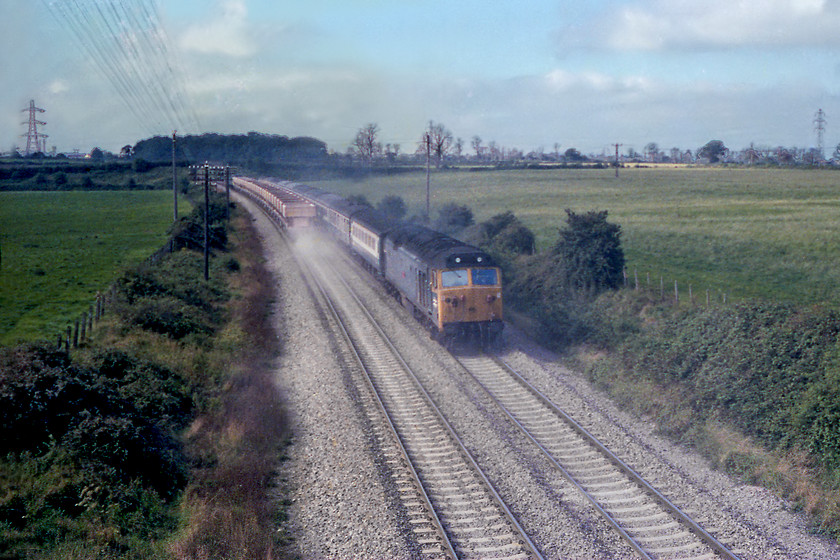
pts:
[454, 278]
[485, 276]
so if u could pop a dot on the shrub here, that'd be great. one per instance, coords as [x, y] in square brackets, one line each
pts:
[169, 316]
[453, 217]
[120, 416]
[392, 207]
[589, 249]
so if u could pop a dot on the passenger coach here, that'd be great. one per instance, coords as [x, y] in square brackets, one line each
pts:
[453, 288]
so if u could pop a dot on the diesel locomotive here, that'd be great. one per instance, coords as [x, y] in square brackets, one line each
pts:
[452, 288]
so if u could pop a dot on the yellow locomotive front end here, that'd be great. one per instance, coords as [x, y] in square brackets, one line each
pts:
[467, 302]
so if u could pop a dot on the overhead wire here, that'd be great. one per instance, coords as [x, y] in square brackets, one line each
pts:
[76, 21]
[128, 43]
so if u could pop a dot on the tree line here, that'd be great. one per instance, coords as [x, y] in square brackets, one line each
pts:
[235, 149]
[437, 145]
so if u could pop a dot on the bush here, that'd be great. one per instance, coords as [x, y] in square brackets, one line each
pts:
[89, 452]
[453, 217]
[504, 236]
[392, 207]
[121, 416]
[771, 370]
[169, 316]
[589, 249]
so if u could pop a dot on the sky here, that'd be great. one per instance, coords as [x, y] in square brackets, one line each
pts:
[531, 75]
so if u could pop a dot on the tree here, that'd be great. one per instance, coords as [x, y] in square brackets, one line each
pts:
[458, 147]
[126, 151]
[440, 141]
[651, 151]
[479, 150]
[359, 199]
[714, 150]
[392, 151]
[573, 155]
[392, 207]
[590, 253]
[676, 155]
[453, 217]
[366, 144]
[505, 234]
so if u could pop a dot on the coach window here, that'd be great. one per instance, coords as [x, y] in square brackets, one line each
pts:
[485, 276]
[454, 278]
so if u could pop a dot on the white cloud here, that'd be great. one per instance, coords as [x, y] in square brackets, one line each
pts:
[560, 80]
[228, 34]
[58, 87]
[718, 24]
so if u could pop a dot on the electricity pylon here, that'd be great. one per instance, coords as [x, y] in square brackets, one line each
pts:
[34, 139]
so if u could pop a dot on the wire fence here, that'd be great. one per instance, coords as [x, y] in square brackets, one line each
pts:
[79, 331]
[672, 292]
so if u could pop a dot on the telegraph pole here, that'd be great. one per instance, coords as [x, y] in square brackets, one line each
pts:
[227, 192]
[174, 179]
[617, 146]
[206, 221]
[427, 138]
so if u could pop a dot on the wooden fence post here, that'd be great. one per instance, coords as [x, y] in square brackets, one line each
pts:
[83, 332]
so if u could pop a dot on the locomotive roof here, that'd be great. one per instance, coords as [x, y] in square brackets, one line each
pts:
[436, 248]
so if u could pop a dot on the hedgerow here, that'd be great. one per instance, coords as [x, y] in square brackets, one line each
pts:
[93, 456]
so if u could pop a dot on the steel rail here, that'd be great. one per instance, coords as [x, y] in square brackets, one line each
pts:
[632, 475]
[530, 545]
[306, 269]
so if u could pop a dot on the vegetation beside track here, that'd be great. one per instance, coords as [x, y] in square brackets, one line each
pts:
[157, 438]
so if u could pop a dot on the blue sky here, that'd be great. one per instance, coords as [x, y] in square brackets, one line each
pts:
[527, 75]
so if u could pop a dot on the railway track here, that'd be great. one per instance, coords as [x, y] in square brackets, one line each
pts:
[650, 524]
[429, 523]
[653, 526]
[453, 509]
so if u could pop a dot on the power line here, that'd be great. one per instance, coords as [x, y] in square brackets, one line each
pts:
[126, 41]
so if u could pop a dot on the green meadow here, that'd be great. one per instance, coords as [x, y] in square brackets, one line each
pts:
[745, 233]
[60, 248]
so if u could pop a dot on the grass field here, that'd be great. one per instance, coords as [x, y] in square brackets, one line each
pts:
[743, 232]
[60, 248]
